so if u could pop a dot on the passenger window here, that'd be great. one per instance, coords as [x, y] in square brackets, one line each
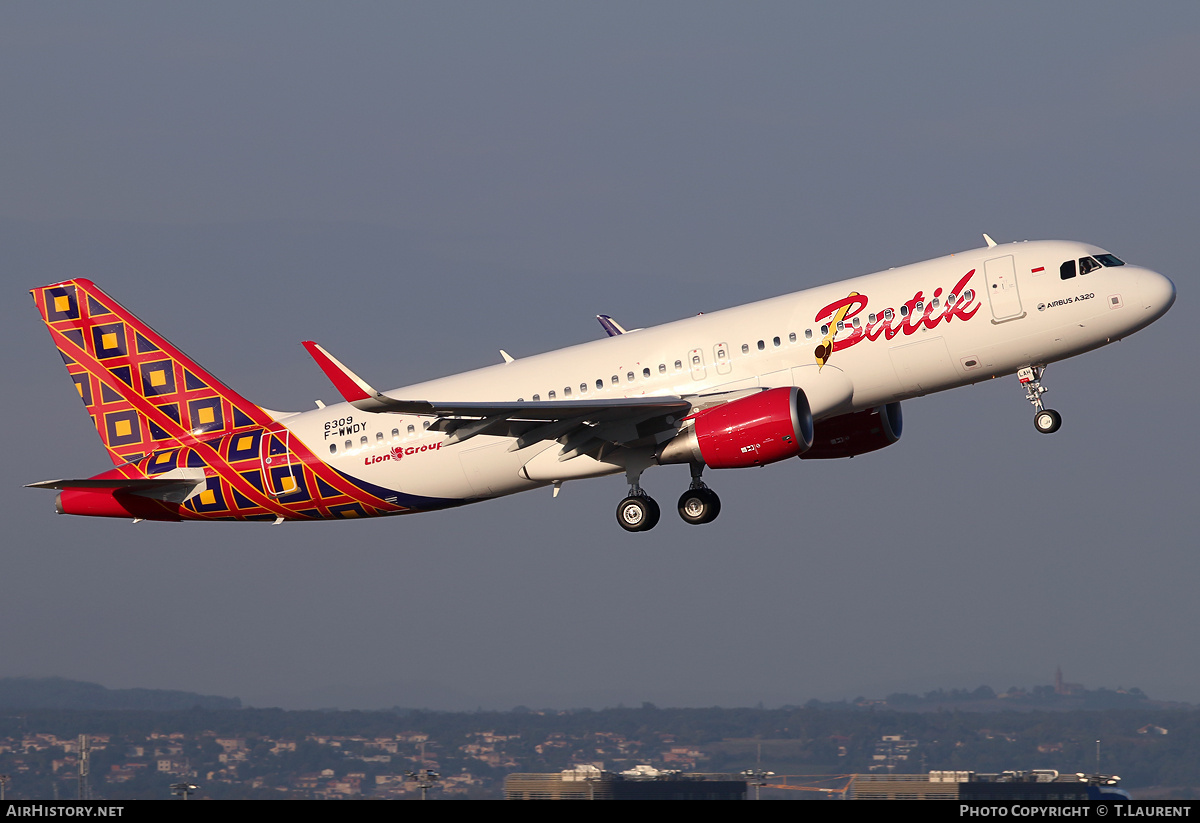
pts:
[567, 391]
[1067, 270]
[745, 348]
[904, 311]
[537, 398]
[396, 433]
[934, 305]
[695, 360]
[920, 306]
[551, 395]
[349, 445]
[363, 441]
[425, 424]
[678, 365]
[888, 314]
[857, 322]
[583, 386]
[761, 345]
[662, 368]
[629, 377]
[969, 295]
[871, 317]
[378, 437]
[808, 334]
[646, 373]
[333, 448]
[616, 378]
[411, 428]
[825, 329]
[776, 341]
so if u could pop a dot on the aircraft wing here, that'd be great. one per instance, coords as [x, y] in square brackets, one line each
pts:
[582, 426]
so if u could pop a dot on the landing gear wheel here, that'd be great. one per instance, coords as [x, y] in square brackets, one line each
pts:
[638, 513]
[698, 506]
[1047, 421]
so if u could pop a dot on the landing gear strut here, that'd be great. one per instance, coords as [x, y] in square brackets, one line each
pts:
[637, 512]
[1046, 421]
[699, 504]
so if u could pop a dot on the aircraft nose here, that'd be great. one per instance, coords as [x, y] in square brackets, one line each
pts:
[1156, 292]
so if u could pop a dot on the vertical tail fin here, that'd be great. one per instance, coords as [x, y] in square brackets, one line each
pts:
[142, 393]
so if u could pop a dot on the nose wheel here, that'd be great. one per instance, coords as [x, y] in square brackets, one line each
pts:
[1046, 421]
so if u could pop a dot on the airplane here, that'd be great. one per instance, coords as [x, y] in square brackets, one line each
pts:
[819, 374]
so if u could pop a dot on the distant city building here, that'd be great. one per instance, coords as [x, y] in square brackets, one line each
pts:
[643, 783]
[1042, 785]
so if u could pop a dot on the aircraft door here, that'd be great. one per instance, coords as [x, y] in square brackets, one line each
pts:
[278, 469]
[1003, 295]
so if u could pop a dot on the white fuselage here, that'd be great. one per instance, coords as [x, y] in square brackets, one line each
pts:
[901, 337]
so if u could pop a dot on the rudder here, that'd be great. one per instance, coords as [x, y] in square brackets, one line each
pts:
[142, 393]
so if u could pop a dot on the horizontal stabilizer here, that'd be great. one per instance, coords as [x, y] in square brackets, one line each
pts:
[136, 485]
[173, 487]
[141, 498]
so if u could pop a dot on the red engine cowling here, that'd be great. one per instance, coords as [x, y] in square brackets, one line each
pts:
[752, 431]
[857, 433]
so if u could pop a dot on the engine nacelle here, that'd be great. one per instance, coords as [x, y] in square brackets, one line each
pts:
[857, 433]
[751, 431]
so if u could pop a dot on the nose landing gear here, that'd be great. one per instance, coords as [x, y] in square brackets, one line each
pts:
[1046, 421]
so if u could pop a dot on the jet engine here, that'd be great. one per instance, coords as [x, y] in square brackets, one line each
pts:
[751, 431]
[856, 433]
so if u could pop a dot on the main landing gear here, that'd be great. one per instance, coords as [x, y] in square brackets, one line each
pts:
[699, 504]
[638, 512]
[1046, 421]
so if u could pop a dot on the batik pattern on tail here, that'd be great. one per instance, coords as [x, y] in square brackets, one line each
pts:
[156, 411]
[142, 393]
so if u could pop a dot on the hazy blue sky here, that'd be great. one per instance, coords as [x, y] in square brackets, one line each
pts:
[417, 185]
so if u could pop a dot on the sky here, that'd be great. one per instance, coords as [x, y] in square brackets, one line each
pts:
[418, 185]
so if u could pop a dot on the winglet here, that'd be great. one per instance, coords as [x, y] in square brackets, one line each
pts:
[987, 239]
[349, 385]
[612, 327]
[358, 392]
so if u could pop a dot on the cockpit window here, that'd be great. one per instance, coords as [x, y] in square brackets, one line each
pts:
[1109, 260]
[1087, 265]
[1067, 270]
